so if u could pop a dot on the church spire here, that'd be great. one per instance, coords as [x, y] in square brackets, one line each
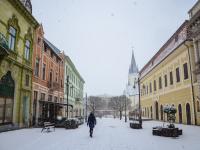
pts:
[133, 68]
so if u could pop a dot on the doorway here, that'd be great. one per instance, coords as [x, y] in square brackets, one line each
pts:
[188, 114]
[180, 113]
[7, 87]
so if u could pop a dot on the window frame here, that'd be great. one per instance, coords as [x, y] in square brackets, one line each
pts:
[185, 71]
[27, 49]
[178, 77]
[12, 38]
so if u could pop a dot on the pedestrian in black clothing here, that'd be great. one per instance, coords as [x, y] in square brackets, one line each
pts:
[91, 122]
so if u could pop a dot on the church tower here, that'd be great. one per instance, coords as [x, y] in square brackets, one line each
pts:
[132, 85]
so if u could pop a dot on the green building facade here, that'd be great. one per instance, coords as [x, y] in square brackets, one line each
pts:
[17, 28]
[75, 89]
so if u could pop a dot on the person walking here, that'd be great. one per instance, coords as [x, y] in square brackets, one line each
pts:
[91, 122]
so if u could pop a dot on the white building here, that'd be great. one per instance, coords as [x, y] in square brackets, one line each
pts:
[132, 85]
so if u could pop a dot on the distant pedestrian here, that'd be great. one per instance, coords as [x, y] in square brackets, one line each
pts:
[91, 122]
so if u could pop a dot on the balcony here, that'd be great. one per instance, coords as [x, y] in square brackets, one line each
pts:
[78, 100]
[3, 46]
[53, 86]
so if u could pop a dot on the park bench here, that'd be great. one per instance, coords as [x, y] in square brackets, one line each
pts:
[47, 126]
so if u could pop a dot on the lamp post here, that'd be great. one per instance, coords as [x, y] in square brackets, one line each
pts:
[68, 95]
[125, 109]
[140, 117]
[86, 107]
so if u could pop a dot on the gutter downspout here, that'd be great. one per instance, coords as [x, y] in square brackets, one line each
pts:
[192, 86]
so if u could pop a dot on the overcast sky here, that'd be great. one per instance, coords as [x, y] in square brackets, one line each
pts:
[98, 35]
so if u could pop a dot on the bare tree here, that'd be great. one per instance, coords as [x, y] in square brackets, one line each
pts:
[96, 103]
[118, 103]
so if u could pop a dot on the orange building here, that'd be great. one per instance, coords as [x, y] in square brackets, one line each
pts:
[48, 75]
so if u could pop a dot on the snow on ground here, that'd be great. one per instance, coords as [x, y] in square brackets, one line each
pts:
[109, 134]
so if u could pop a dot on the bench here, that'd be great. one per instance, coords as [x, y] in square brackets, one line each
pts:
[47, 126]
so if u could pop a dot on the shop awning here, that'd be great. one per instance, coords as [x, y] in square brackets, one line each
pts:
[55, 103]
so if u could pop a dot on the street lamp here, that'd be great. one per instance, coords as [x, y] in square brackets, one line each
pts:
[125, 109]
[86, 107]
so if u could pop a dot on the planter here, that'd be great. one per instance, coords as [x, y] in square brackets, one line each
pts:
[166, 132]
[135, 125]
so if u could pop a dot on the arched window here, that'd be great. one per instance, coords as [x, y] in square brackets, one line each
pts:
[27, 50]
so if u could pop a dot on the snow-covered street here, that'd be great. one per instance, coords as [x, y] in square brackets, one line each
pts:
[109, 134]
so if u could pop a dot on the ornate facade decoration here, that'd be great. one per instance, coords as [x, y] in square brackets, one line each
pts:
[27, 4]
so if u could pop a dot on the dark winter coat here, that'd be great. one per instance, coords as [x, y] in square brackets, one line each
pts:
[91, 121]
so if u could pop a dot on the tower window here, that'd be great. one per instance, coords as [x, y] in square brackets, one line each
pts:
[185, 68]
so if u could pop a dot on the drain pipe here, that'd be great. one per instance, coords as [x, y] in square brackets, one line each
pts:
[191, 79]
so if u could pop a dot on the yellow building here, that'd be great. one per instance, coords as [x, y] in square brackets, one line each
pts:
[17, 26]
[168, 79]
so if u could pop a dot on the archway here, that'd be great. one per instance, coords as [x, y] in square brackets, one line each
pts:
[188, 114]
[7, 87]
[161, 112]
[157, 114]
[180, 113]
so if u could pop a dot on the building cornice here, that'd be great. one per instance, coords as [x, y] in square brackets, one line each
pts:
[180, 35]
[22, 9]
[182, 44]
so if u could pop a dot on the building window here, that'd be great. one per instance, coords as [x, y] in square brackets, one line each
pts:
[50, 78]
[165, 80]
[37, 65]
[56, 77]
[177, 75]
[51, 54]
[35, 96]
[43, 71]
[27, 80]
[50, 98]
[185, 68]
[39, 41]
[171, 78]
[27, 50]
[154, 85]
[45, 48]
[147, 89]
[150, 88]
[42, 96]
[61, 84]
[55, 99]
[12, 38]
[160, 83]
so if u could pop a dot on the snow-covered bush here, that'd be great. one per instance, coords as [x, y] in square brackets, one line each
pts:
[170, 110]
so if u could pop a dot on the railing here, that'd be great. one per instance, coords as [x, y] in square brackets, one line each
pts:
[53, 86]
[3, 42]
[3, 46]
